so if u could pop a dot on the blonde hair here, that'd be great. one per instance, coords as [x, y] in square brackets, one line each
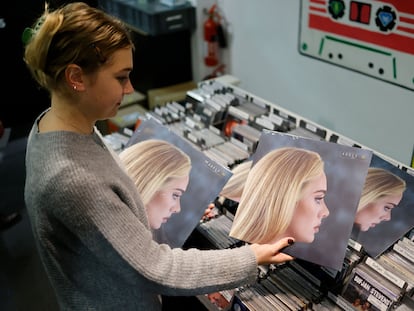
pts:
[152, 163]
[380, 183]
[73, 34]
[235, 185]
[273, 187]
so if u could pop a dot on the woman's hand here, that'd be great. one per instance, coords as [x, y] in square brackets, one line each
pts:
[272, 253]
[209, 212]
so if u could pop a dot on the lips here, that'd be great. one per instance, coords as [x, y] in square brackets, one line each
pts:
[317, 227]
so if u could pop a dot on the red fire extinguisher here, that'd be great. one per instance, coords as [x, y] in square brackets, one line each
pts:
[210, 37]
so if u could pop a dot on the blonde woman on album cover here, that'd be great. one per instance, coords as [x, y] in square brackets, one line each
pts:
[382, 193]
[233, 189]
[161, 173]
[283, 196]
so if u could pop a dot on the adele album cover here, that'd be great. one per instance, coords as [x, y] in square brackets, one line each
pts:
[207, 178]
[385, 212]
[315, 188]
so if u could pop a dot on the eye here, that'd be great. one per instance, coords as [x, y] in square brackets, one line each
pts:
[176, 196]
[387, 208]
[123, 80]
[319, 200]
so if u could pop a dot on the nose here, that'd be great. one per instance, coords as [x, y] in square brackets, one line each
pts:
[176, 208]
[387, 217]
[324, 211]
[128, 88]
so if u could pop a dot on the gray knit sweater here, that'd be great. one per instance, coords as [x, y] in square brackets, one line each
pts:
[93, 236]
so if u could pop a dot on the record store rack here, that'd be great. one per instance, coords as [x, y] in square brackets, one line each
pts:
[225, 122]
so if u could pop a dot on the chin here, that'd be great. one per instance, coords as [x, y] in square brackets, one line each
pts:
[155, 226]
[113, 114]
[308, 239]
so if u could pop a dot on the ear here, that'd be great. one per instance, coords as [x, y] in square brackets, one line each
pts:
[74, 77]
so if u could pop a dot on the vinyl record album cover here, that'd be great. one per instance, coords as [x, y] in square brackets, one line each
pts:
[394, 216]
[345, 169]
[363, 289]
[207, 178]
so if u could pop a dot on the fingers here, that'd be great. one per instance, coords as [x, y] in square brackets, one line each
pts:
[281, 258]
[208, 212]
[281, 245]
[286, 242]
[272, 253]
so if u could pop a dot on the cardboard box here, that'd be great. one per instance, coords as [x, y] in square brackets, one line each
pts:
[133, 98]
[127, 117]
[176, 92]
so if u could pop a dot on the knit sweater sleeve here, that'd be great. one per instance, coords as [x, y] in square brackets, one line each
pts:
[100, 209]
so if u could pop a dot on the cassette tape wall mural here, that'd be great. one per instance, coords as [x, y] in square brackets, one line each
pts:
[375, 38]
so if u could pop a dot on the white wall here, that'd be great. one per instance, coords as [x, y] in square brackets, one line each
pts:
[264, 56]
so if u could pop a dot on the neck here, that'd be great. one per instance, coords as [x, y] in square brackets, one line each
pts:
[71, 121]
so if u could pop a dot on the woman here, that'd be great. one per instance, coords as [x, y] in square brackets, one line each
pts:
[382, 192]
[88, 219]
[283, 196]
[233, 189]
[161, 174]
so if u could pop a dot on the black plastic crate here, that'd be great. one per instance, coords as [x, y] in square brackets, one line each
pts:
[152, 18]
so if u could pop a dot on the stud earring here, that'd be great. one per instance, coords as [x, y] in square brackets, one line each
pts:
[74, 87]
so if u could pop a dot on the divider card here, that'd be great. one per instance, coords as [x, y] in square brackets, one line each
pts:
[207, 178]
[390, 228]
[345, 168]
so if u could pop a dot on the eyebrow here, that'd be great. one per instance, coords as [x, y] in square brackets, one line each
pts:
[127, 69]
[179, 189]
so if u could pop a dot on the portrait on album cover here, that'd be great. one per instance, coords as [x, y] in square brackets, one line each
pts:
[206, 179]
[385, 212]
[334, 193]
